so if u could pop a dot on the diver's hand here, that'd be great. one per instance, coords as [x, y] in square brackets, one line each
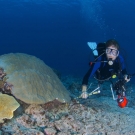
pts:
[127, 79]
[84, 91]
[84, 94]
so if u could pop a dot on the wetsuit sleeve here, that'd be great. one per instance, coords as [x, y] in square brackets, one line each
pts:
[123, 67]
[90, 72]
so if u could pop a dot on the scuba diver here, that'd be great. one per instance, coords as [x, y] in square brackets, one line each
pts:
[108, 64]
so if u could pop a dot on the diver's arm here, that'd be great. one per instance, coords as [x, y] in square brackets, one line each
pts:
[90, 73]
[123, 68]
[87, 75]
[125, 75]
[122, 65]
[124, 71]
[85, 82]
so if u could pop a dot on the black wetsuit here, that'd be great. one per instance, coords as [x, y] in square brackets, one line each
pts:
[103, 71]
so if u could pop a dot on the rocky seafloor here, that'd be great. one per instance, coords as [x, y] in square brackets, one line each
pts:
[97, 115]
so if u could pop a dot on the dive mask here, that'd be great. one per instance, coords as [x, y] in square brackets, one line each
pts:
[113, 51]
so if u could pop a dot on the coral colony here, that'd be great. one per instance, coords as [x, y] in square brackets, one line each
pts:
[5, 87]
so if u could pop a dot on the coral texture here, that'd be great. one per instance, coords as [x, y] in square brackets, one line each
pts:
[7, 106]
[33, 81]
[96, 115]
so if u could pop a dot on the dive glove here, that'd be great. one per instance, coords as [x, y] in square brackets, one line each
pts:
[84, 91]
[127, 78]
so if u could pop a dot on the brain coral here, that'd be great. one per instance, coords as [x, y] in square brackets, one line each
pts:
[33, 81]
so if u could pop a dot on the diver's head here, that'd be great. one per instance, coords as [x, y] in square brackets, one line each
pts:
[112, 49]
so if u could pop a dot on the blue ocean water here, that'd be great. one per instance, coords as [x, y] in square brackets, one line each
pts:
[57, 31]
